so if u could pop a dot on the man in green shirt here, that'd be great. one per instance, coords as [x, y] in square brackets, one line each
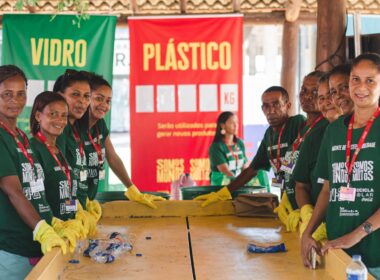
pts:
[277, 139]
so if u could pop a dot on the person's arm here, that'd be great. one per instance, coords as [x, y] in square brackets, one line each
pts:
[260, 161]
[224, 169]
[116, 163]
[11, 186]
[350, 239]
[244, 177]
[307, 241]
[303, 191]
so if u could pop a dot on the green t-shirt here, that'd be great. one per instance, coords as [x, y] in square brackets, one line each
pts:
[342, 216]
[99, 129]
[290, 183]
[304, 171]
[56, 184]
[234, 156]
[69, 146]
[15, 236]
[270, 139]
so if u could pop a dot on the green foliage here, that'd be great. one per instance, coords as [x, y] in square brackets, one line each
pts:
[79, 6]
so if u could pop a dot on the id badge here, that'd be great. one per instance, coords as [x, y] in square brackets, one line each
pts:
[347, 194]
[83, 175]
[37, 186]
[287, 166]
[71, 205]
[102, 174]
[278, 181]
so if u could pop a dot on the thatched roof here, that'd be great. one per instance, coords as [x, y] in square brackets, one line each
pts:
[125, 8]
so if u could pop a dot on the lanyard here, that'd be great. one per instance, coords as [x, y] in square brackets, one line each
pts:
[300, 139]
[65, 170]
[234, 153]
[77, 139]
[97, 146]
[278, 162]
[350, 164]
[22, 147]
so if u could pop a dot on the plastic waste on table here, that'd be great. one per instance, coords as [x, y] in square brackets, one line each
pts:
[107, 250]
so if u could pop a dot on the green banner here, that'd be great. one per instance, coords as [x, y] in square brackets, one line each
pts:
[44, 48]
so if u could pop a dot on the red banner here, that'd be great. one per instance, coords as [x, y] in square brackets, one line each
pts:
[184, 72]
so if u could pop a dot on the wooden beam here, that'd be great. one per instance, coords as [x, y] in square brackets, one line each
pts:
[331, 23]
[278, 17]
[289, 61]
[293, 8]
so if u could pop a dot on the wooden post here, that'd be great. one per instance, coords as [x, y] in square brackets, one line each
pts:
[289, 61]
[331, 22]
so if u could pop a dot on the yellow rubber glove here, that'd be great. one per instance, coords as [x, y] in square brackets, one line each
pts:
[283, 210]
[88, 220]
[306, 213]
[81, 217]
[65, 233]
[76, 226]
[94, 208]
[72, 224]
[222, 194]
[133, 194]
[48, 238]
[320, 233]
[294, 219]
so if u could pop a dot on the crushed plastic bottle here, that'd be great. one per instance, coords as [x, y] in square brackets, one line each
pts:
[92, 244]
[356, 270]
[184, 180]
[101, 257]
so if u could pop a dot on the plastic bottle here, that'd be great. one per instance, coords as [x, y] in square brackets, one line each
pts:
[117, 249]
[102, 257]
[356, 270]
[184, 180]
[92, 245]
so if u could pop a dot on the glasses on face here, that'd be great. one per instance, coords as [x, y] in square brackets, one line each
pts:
[8, 95]
[275, 105]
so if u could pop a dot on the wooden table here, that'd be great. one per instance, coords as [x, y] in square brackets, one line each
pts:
[190, 242]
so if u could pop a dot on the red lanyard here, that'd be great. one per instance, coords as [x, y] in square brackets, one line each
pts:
[350, 164]
[278, 162]
[234, 154]
[23, 147]
[97, 146]
[300, 139]
[77, 139]
[65, 170]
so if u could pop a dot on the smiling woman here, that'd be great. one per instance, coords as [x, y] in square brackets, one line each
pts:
[98, 147]
[24, 212]
[350, 198]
